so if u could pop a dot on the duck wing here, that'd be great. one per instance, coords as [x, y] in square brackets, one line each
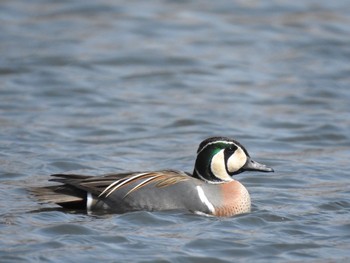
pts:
[74, 189]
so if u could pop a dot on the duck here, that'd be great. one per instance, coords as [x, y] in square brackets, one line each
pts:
[209, 190]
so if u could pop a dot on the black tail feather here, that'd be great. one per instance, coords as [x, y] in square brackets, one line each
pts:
[63, 195]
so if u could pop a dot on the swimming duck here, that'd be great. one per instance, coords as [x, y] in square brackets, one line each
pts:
[209, 190]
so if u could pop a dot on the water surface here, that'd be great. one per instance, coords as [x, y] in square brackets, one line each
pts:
[110, 87]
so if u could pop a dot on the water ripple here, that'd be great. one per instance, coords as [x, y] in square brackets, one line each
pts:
[109, 87]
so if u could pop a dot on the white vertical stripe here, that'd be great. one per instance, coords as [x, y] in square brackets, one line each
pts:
[204, 199]
[89, 200]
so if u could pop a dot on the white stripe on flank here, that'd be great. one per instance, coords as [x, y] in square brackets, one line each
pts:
[89, 200]
[202, 214]
[204, 199]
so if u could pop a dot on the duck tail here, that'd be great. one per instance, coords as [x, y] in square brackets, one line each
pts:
[66, 196]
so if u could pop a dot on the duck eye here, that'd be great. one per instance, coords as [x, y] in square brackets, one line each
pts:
[231, 149]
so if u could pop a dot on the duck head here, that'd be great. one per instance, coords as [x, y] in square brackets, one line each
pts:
[219, 158]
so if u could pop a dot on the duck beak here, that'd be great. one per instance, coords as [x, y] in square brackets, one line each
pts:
[252, 165]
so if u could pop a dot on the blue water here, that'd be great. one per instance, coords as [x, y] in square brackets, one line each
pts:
[110, 86]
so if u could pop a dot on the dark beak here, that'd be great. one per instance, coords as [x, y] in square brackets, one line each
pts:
[252, 165]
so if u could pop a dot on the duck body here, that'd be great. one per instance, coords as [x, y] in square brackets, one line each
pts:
[209, 190]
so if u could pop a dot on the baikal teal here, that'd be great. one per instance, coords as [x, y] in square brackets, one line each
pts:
[210, 190]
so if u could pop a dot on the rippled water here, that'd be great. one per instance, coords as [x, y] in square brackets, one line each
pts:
[108, 86]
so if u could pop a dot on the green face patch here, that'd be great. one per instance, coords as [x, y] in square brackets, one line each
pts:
[205, 157]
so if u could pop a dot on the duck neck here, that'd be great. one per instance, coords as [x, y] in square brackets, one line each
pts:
[207, 177]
